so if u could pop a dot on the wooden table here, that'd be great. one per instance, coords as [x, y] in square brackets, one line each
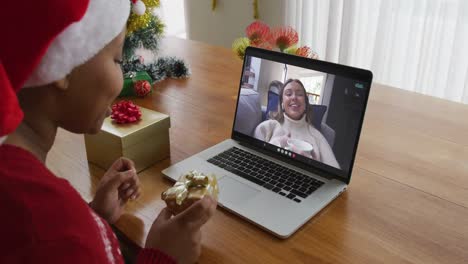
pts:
[408, 198]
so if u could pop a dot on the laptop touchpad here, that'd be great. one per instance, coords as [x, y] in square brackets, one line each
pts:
[233, 191]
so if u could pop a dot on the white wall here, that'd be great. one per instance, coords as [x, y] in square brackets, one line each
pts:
[172, 14]
[229, 20]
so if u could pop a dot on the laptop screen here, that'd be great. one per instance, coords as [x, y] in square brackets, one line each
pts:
[302, 110]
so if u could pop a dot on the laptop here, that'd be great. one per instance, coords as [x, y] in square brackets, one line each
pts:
[292, 149]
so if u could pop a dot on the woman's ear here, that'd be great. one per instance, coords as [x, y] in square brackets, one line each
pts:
[62, 84]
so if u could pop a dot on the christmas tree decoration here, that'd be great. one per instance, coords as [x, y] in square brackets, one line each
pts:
[144, 33]
[139, 20]
[142, 88]
[165, 67]
[284, 39]
[130, 78]
[148, 37]
[125, 112]
[175, 68]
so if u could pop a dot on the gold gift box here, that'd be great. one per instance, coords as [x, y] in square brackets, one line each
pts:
[188, 189]
[145, 141]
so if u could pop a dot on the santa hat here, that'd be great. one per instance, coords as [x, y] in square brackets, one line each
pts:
[43, 41]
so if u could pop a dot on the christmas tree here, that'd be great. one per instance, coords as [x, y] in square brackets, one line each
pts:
[144, 32]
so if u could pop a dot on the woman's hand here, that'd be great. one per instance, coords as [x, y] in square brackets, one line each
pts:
[119, 184]
[180, 236]
[283, 140]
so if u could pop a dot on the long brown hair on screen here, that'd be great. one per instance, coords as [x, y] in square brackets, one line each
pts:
[281, 113]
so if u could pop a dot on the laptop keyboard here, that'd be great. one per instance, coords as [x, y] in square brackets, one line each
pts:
[279, 179]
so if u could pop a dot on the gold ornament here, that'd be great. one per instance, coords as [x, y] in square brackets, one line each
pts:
[213, 5]
[255, 8]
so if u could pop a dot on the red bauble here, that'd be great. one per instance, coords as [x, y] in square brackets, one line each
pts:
[142, 88]
[125, 112]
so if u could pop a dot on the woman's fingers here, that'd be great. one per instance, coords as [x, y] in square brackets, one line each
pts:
[129, 192]
[123, 164]
[137, 194]
[132, 193]
[131, 183]
[284, 141]
[125, 186]
[198, 213]
[129, 188]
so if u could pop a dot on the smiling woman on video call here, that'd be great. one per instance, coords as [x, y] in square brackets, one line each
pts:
[294, 122]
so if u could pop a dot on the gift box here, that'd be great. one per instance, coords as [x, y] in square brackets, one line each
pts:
[129, 81]
[145, 141]
[188, 189]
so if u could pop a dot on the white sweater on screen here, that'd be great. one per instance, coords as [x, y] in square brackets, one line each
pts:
[274, 132]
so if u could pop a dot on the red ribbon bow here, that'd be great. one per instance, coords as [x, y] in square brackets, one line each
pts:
[125, 112]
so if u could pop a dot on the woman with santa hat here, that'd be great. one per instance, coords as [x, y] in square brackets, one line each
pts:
[60, 67]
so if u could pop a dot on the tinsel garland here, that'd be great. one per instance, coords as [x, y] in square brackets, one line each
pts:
[151, 3]
[145, 30]
[148, 38]
[164, 67]
[136, 22]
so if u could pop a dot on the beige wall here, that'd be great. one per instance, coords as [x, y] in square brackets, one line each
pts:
[229, 20]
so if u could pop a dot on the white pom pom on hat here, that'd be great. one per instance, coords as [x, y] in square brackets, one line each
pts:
[138, 7]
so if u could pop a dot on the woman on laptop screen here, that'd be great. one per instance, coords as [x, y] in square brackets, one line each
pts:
[292, 128]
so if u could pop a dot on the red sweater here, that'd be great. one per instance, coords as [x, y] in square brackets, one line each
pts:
[44, 220]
